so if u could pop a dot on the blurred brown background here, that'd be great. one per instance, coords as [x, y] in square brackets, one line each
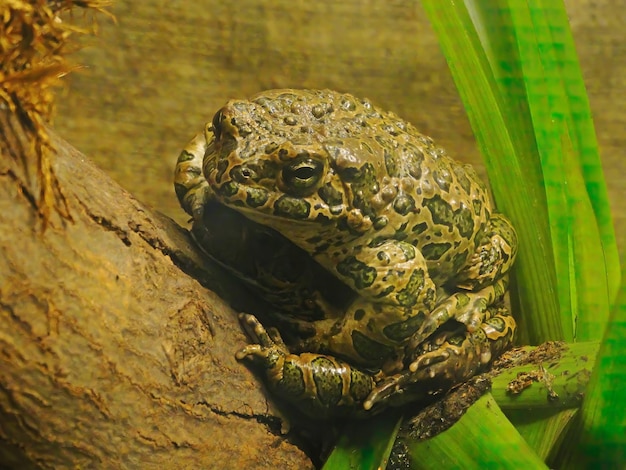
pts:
[152, 80]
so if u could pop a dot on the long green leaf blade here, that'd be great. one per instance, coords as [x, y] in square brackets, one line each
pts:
[505, 139]
[585, 137]
[582, 274]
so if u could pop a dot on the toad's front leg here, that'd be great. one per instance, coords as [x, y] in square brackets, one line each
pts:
[449, 357]
[318, 385]
[396, 295]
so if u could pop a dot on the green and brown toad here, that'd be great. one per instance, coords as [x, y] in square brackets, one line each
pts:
[382, 256]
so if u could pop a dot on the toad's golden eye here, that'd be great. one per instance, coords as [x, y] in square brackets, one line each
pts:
[302, 174]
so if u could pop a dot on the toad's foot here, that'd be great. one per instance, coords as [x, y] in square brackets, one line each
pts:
[318, 385]
[469, 308]
[448, 357]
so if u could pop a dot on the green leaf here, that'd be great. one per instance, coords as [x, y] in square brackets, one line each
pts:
[485, 65]
[543, 430]
[482, 439]
[563, 132]
[365, 444]
[601, 431]
[516, 69]
[555, 381]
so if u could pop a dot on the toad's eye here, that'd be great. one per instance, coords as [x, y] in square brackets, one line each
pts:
[302, 174]
[217, 124]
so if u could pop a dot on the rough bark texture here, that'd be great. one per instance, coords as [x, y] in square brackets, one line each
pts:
[111, 356]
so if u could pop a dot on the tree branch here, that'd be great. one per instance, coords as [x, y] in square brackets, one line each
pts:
[111, 354]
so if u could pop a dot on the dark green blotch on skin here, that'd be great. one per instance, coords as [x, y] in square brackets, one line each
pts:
[228, 189]
[497, 323]
[443, 179]
[361, 274]
[443, 214]
[391, 163]
[327, 380]
[256, 197]
[342, 224]
[477, 205]
[377, 241]
[322, 219]
[462, 300]
[185, 156]
[404, 329]
[441, 211]
[359, 314]
[361, 385]
[363, 184]
[434, 251]
[456, 340]
[332, 198]
[292, 383]
[291, 207]
[462, 178]
[458, 261]
[407, 297]
[404, 204]
[385, 292]
[369, 349]
[419, 228]
[400, 235]
[380, 222]
[314, 240]
[464, 220]
[408, 251]
[321, 248]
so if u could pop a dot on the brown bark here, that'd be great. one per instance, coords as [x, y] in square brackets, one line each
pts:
[111, 354]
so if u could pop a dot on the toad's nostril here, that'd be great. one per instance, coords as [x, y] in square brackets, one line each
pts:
[242, 174]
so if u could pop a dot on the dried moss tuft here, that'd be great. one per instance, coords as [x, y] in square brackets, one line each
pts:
[34, 43]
